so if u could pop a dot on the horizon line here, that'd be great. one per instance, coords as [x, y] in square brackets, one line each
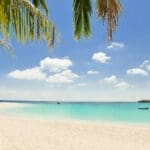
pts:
[64, 101]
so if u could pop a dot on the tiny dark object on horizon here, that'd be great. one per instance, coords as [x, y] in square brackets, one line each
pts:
[58, 102]
[145, 108]
[144, 101]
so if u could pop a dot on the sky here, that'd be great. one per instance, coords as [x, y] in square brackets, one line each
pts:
[92, 69]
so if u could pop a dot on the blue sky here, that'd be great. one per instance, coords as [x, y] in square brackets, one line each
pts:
[90, 69]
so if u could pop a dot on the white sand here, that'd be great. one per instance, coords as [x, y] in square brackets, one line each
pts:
[9, 105]
[27, 134]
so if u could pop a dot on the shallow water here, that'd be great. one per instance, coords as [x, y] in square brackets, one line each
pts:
[97, 111]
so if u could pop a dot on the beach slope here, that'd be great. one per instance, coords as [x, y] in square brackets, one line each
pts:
[31, 134]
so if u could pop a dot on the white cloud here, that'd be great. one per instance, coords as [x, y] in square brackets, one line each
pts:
[28, 74]
[49, 71]
[122, 85]
[55, 64]
[66, 76]
[112, 79]
[145, 65]
[82, 84]
[114, 45]
[142, 70]
[148, 67]
[137, 71]
[92, 72]
[101, 57]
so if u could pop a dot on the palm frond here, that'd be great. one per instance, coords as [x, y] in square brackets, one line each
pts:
[109, 10]
[25, 19]
[40, 3]
[82, 11]
[5, 45]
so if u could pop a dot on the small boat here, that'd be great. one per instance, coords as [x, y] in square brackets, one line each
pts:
[143, 108]
[144, 101]
[58, 102]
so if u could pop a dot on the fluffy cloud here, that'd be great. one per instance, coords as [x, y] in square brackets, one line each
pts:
[146, 65]
[66, 76]
[142, 70]
[101, 57]
[52, 70]
[55, 64]
[28, 74]
[112, 79]
[114, 45]
[137, 71]
[122, 85]
[92, 72]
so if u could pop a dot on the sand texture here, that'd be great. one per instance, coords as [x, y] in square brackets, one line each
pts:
[31, 134]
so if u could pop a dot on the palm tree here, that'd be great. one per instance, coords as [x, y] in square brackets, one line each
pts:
[107, 10]
[26, 19]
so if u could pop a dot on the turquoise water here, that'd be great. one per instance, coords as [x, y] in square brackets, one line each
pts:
[113, 111]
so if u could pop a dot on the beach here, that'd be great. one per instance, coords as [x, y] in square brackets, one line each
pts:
[18, 133]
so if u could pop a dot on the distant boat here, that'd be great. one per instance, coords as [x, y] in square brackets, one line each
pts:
[144, 101]
[58, 102]
[143, 108]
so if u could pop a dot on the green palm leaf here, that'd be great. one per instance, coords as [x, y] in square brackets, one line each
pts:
[107, 10]
[40, 3]
[82, 11]
[27, 20]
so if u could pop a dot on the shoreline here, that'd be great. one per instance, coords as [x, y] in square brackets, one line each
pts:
[8, 105]
[69, 120]
[21, 133]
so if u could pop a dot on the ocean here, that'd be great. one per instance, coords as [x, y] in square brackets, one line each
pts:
[87, 111]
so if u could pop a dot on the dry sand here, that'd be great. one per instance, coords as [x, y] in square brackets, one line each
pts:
[9, 105]
[31, 134]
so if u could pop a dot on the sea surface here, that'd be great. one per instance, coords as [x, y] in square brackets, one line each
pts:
[87, 111]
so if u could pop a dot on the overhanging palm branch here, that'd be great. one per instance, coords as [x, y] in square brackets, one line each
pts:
[40, 3]
[6, 46]
[27, 19]
[82, 11]
[107, 10]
